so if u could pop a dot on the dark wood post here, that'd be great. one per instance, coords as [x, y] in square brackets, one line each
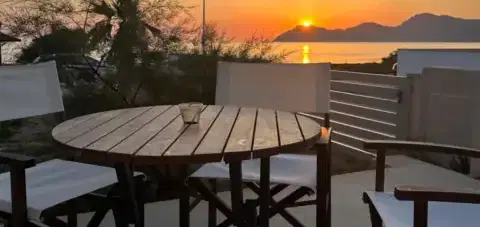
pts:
[380, 170]
[19, 194]
[420, 213]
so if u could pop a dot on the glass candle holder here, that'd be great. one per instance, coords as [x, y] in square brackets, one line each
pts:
[190, 112]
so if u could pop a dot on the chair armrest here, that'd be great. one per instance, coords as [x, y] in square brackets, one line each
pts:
[7, 157]
[414, 146]
[415, 193]
[325, 135]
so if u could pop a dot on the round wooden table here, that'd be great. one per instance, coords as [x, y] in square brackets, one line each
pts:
[157, 135]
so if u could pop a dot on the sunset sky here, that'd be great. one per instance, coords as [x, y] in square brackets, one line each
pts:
[241, 18]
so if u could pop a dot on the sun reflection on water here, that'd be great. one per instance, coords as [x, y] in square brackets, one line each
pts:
[306, 54]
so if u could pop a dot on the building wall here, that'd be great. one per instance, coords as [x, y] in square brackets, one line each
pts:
[446, 109]
[412, 61]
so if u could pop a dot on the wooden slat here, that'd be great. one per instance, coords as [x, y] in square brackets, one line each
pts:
[381, 91]
[153, 150]
[363, 122]
[216, 138]
[266, 134]
[365, 100]
[288, 128]
[115, 137]
[240, 142]
[67, 125]
[103, 130]
[185, 145]
[367, 77]
[310, 129]
[363, 111]
[138, 139]
[161, 142]
[88, 125]
[359, 131]
[345, 138]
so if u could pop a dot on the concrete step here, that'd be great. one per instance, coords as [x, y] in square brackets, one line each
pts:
[364, 111]
[365, 100]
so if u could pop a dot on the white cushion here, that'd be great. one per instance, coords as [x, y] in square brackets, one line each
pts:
[291, 169]
[396, 213]
[288, 87]
[56, 181]
[29, 90]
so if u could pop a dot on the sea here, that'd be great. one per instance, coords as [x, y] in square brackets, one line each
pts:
[333, 52]
[354, 52]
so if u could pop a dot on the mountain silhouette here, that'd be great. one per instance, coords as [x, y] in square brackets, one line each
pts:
[419, 28]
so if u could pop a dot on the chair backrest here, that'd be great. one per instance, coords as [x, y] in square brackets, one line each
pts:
[289, 87]
[29, 90]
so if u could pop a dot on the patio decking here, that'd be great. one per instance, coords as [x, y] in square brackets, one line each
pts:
[348, 209]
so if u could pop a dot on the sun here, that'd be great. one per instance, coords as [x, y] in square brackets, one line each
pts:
[307, 23]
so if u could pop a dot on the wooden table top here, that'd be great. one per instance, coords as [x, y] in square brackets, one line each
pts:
[157, 134]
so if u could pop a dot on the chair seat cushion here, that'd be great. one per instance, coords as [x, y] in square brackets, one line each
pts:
[396, 213]
[291, 169]
[53, 182]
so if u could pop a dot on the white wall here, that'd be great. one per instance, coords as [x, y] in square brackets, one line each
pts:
[412, 61]
[446, 109]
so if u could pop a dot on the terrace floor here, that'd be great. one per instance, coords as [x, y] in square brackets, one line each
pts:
[348, 209]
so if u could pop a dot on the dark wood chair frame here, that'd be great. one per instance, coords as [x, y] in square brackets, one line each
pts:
[244, 213]
[114, 200]
[419, 195]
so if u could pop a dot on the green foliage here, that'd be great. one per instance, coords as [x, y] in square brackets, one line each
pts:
[384, 67]
[195, 79]
[390, 59]
[158, 58]
[8, 129]
[60, 40]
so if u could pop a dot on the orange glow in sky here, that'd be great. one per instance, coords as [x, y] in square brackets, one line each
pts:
[240, 19]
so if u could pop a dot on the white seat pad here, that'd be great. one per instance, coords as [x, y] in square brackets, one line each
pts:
[396, 213]
[56, 181]
[291, 169]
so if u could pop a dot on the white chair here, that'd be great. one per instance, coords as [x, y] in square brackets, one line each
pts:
[29, 192]
[416, 206]
[290, 87]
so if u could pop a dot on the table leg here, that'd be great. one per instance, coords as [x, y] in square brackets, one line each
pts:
[264, 191]
[251, 212]
[322, 185]
[237, 193]
[128, 194]
[212, 210]
[329, 184]
[72, 220]
[184, 198]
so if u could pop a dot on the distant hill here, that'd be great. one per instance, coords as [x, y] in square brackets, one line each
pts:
[419, 28]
